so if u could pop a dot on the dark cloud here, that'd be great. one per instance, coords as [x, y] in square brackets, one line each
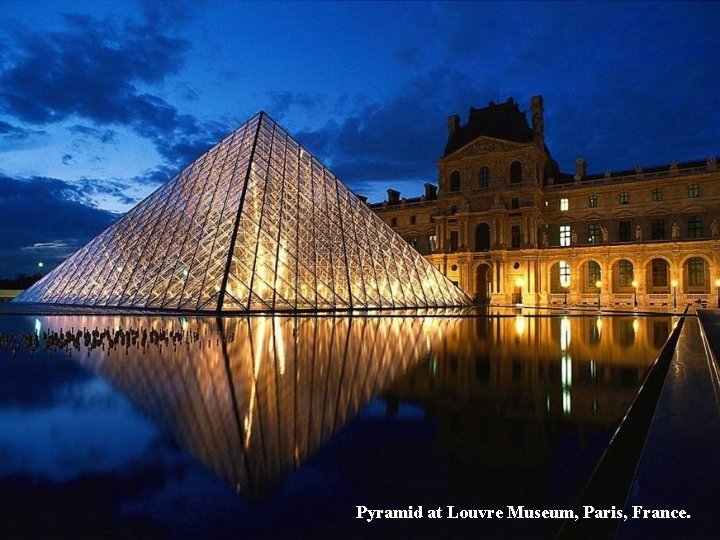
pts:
[93, 70]
[397, 140]
[102, 135]
[15, 133]
[44, 217]
[67, 159]
[282, 102]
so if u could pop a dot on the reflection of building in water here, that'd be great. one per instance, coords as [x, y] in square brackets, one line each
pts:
[514, 394]
[253, 398]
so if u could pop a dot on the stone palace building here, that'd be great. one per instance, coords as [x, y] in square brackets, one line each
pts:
[508, 227]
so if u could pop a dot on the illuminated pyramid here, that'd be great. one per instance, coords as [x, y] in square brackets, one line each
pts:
[254, 224]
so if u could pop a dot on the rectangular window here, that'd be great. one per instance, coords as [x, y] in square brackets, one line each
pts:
[593, 201]
[393, 222]
[657, 229]
[514, 203]
[624, 228]
[696, 272]
[564, 205]
[412, 220]
[432, 240]
[659, 273]
[694, 225]
[624, 198]
[564, 274]
[693, 191]
[625, 273]
[515, 236]
[657, 194]
[594, 233]
[454, 240]
[564, 235]
[413, 240]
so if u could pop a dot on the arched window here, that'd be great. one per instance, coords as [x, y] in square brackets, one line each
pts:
[625, 276]
[482, 237]
[559, 277]
[594, 275]
[515, 172]
[484, 177]
[455, 181]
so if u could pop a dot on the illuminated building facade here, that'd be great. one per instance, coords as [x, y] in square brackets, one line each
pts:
[256, 224]
[508, 227]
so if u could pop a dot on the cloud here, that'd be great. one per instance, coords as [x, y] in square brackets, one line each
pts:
[47, 216]
[282, 101]
[102, 135]
[95, 69]
[398, 140]
[15, 133]
[67, 159]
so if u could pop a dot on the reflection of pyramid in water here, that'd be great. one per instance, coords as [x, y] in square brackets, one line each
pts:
[254, 224]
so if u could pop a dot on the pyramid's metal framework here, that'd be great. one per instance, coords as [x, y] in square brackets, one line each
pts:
[254, 224]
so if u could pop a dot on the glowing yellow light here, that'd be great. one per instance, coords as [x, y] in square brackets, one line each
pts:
[564, 333]
[598, 283]
[636, 325]
[519, 325]
[634, 284]
[717, 282]
[519, 282]
[674, 283]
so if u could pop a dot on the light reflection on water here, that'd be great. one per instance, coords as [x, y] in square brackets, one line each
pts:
[523, 404]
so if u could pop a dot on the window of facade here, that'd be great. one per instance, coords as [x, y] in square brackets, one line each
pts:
[515, 236]
[432, 240]
[515, 172]
[564, 205]
[454, 240]
[696, 272]
[659, 273]
[624, 231]
[693, 190]
[593, 201]
[413, 240]
[594, 233]
[455, 181]
[625, 273]
[594, 274]
[482, 237]
[564, 274]
[514, 203]
[623, 198]
[694, 227]
[657, 229]
[657, 194]
[564, 235]
[484, 177]
[413, 219]
[393, 222]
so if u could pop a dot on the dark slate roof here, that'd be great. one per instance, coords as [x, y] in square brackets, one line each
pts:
[502, 121]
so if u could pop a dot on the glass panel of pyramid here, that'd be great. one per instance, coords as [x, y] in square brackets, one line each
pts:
[254, 224]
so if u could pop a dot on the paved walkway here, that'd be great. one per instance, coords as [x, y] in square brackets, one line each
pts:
[679, 468]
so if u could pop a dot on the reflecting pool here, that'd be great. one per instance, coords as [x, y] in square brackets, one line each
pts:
[280, 426]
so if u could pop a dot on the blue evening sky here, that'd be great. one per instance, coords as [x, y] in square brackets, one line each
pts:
[100, 102]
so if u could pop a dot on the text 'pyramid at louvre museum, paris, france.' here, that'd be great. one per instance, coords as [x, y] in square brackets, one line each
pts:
[254, 224]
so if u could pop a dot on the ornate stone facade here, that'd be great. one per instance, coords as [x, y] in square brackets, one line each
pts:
[508, 227]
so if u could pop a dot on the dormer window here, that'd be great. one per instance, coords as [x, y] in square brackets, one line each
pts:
[455, 181]
[484, 177]
[515, 172]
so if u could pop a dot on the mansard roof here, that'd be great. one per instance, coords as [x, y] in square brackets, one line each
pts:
[502, 121]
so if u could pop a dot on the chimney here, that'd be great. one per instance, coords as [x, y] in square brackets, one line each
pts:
[538, 123]
[393, 196]
[453, 124]
[580, 168]
[430, 192]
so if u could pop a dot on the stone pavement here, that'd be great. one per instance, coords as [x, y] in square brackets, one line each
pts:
[678, 468]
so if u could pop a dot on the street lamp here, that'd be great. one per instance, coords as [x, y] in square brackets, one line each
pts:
[598, 284]
[635, 285]
[717, 284]
[674, 284]
[565, 290]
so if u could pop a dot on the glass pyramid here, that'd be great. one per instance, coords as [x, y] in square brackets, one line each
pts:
[254, 224]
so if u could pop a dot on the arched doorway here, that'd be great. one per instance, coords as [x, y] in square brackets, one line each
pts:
[483, 284]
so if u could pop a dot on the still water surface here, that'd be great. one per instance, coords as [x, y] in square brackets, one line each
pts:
[280, 426]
